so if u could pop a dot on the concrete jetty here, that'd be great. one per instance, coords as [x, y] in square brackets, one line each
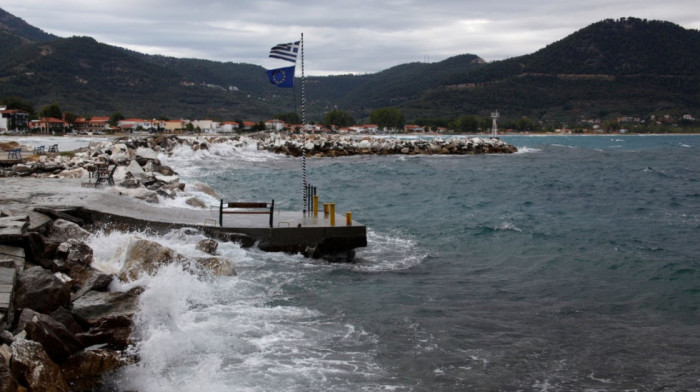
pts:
[291, 231]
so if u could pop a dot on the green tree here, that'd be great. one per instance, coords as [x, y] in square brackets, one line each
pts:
[18, 103]
[52, 110]
[259, 126]
[338, 118]
[289, 118]
[70, 117]
[115, 118]
[388, 118]
[466, 124]
[611, 126]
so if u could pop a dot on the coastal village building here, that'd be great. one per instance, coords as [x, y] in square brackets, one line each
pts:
[207, 126]
[98, 123]
[274, 125]
[49, 124]
[228, 127]
[173, 126]
[248, 125]
[13, 119]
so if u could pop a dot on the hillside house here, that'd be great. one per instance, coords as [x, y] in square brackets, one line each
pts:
[13, 119]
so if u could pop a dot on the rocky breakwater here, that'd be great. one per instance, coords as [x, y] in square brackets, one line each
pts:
[138, 171]
[67, 324]
[338, 145]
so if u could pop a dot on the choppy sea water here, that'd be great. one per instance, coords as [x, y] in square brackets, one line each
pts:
[571, 265]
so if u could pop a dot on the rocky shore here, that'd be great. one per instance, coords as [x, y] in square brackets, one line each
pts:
[66, 325]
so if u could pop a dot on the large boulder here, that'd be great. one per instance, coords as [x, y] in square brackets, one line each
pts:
[74, 252]
[146, 257]
[58, 341]
[31, 363]
[40, 290]
[74, 324]
[95, 305]
[206, 189]
[62, 230]
[93, 281]
[144, 154]
[8, 382]
[39, 250]
[207, 245]
[114, 331]
[218, 266]
[83, 371]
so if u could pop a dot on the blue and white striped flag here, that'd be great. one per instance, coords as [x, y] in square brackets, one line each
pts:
[286, 51]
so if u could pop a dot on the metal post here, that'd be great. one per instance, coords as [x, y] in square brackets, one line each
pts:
[315, 206]
[332, 213]
[303, 127]
[221, 213]
[348, 218]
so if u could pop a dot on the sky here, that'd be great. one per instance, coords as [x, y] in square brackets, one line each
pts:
[340, 37]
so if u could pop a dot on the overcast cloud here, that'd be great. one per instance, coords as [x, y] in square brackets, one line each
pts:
[339, 36]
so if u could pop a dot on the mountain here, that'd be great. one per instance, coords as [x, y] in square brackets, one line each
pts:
[18, 27]
[628, 66]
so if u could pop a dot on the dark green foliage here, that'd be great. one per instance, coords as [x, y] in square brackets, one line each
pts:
[52, 110]
[115, 118]
[388, 118]
[289, 118]
[339, 118]
[18, 103]
[611, 68]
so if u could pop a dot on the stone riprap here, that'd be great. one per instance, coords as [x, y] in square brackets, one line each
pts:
[341, 145]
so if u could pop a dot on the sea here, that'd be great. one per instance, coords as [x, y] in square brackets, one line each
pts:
[572, 265]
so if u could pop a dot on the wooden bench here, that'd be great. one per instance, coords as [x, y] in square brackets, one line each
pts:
[39, 150]
[249, 208]
[53, 148]
[15, 153]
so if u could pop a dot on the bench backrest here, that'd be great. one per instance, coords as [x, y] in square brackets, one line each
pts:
[269, 208]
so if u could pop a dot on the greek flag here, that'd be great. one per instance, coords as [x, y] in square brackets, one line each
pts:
[286, 51]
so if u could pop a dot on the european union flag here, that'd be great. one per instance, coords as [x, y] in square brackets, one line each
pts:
[282, 77]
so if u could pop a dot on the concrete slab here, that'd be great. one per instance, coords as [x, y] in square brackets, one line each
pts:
[291, 231]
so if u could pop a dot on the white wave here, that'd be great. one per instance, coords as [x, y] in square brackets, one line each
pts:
[508, 226]
[189, 163]
[388, 252]
[212, 334]
[528, 150]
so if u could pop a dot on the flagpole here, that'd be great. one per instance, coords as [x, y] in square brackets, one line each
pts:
[303, 130]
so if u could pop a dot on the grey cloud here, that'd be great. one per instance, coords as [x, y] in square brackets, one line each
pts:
[340, 36]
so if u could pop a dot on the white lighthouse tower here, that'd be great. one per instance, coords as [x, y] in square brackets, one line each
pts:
[494, 117]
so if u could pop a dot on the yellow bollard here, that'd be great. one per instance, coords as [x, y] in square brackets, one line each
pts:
[315, 206]
[325, 210]
[332, 212]
[348, 218]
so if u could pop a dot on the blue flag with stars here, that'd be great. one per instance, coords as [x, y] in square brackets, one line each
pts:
[282, 77]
